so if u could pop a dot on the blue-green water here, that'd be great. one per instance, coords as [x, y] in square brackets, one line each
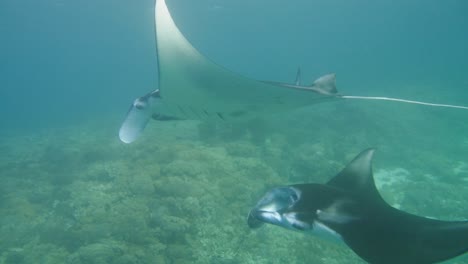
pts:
[71, 192]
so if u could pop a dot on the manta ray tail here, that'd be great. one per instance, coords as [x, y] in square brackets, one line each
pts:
[403, 101]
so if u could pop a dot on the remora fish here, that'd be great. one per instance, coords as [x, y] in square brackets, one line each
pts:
[349, 208]
[193, 87]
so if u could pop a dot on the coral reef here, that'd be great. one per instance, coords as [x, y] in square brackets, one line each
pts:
[183, 196]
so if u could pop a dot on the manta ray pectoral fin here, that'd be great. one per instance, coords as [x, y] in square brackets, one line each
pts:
[188, 79]
[357, 176]
[413, 240]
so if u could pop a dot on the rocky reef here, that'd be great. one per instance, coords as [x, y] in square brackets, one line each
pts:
[182, 196]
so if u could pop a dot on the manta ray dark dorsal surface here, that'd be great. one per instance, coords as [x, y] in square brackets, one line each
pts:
[357, 176]
[387, 235]
[350, 209]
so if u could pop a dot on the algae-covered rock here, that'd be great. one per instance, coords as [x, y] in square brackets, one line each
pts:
[141, 184]
[34, 252]
[184, 168]
[176, 187]
[14, 257]
[170, 228]
[241, 149]
[179, 253]
[97, 253]
[61, 232]
[129, 221]
[126, 259]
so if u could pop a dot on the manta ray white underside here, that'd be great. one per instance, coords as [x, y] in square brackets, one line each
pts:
[193, 87]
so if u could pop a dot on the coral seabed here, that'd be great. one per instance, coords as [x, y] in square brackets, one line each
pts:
[183, 197]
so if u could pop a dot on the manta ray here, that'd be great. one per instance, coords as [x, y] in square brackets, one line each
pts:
[192, 86]
[349, 208]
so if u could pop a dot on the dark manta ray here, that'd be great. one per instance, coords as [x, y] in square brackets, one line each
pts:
[350, 209]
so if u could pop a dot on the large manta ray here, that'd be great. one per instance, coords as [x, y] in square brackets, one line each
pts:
[349, 208]
[193, 87]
